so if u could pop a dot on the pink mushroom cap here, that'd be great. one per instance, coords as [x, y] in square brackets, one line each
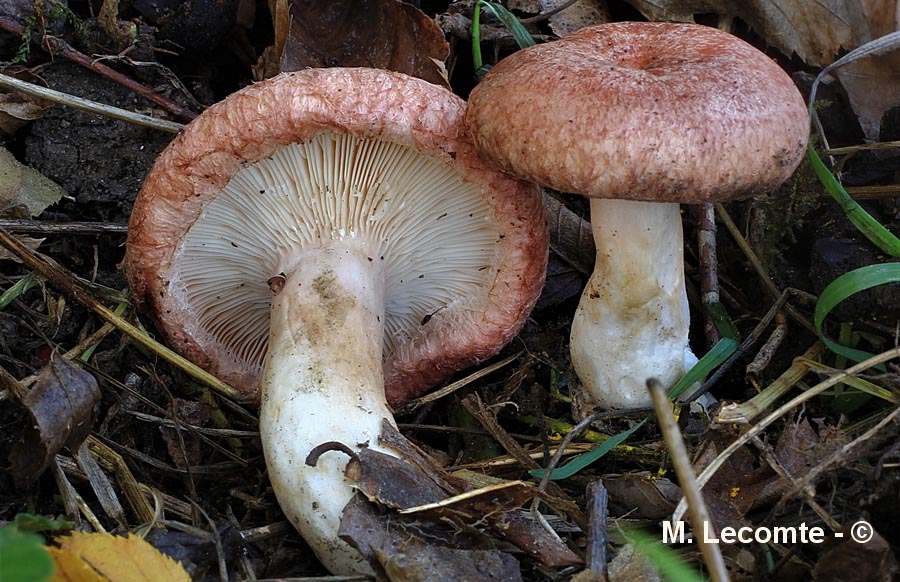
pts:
[252, 125]
[648, 111]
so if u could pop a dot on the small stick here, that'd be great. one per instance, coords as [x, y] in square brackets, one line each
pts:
[697, 512]
[52, 44]
[14, 84]
[709, 275]
[759, 268]
[765, 353]
[597, 508]
[413, 405]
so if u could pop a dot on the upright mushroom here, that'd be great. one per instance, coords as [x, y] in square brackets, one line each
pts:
[639, 117]
[332, 237]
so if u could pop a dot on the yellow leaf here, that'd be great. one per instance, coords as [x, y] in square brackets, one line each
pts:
[98, 557]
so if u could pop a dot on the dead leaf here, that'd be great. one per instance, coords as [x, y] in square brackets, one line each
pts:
[21, 185]
[426, 494]
[17, 109]
[645, 497]
[816, 31]
[392, 482]
[629, 565]
[198, 554]
[268, 63]
[403, 549]
[529, 6]
[100, 557]
[60, 406]
[384, 34]
[850, 561]
[187, 412]
[873, 87]
[29, 242]
[578, 15]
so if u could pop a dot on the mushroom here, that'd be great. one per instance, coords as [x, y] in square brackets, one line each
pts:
[639, 117]
[332, 238]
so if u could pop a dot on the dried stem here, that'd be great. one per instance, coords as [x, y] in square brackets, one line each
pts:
[709, 275]
[14, 84]
[698, 514]
[58, 46]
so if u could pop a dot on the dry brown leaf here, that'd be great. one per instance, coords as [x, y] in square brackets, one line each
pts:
[641, 496]
[31, 243]
[21, 186]
[17, 109]
[629, 565]
[873, 86]
[61, 414]
[100, 557]
[384, 34]
[578, 15]
[816, 31]
[403, 549]
[528, 6]
[850, 561]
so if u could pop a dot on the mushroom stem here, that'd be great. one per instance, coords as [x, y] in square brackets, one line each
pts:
[633, 319]
[322, 382]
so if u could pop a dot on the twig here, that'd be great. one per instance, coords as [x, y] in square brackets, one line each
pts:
[742, 349]
[55, 45]
[412, 405]
[473, 404]
[717, 463]
[882, 145]
[217, 542]
[598, 536]
[709, 276]
[697, 511]
[809, 495]
[758, 266]
[765, 353]
[101, 485]
[75, 352]
[8, 82]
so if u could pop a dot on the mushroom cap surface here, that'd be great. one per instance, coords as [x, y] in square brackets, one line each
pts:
[352, 108]
[666, 112]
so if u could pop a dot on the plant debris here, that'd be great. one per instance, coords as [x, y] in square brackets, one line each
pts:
[60, 408]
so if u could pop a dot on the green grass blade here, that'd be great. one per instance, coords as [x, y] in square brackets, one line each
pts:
[522, 37]
[476, 39]
[581, 461]
[672, 567]
[862, 220]
[845, 286]
[718, 354]
[18, 289]
[709, 362]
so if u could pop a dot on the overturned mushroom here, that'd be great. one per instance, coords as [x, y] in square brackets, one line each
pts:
[639, 117]
[332, 237]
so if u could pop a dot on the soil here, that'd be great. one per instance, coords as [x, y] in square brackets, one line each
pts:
[800, 234]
